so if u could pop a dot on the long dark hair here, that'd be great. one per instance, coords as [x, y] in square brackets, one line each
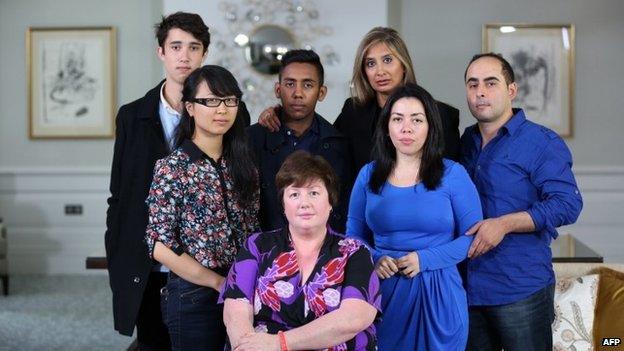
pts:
[235, 148]
[384, 152]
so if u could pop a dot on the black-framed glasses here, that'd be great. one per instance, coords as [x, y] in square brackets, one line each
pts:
[215, 102]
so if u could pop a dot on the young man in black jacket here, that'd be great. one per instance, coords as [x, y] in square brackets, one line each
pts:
[145, 133]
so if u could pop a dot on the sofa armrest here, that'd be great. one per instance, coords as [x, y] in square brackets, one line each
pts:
[570, 270]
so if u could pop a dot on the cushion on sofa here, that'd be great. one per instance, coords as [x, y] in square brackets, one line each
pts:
[575, 300]
[609, 317]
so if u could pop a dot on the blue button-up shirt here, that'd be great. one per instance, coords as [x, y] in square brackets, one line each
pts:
[525, 167]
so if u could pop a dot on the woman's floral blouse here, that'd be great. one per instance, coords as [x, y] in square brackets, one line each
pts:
[194, 208]
[266, 275]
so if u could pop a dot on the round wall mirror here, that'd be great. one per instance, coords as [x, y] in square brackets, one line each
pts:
[266, 46]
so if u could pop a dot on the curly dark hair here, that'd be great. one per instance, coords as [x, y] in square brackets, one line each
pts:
[303, 56]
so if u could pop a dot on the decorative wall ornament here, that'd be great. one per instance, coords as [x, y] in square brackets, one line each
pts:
[71, 79]
[256, 36]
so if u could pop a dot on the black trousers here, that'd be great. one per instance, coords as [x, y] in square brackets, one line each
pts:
[152, 334]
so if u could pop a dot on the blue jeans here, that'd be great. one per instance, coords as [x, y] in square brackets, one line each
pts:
[192, 316]
[524, 325]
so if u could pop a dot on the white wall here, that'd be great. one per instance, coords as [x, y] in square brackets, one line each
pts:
[42, 239]
[443, 35]
[37, 178]
[136, 60]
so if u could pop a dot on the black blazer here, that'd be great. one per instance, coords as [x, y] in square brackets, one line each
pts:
[270, 149]
[139, 143]
[357, 123]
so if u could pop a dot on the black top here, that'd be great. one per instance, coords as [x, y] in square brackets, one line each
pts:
[357, 123]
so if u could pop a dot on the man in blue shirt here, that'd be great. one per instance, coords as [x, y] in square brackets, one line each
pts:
[299, 88]
[523, 172]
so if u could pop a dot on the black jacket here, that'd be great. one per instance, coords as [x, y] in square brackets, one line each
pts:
[139, 143]
[357, 123]
[271, 148]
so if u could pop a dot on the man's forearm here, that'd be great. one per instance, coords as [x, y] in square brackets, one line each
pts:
[518, 222]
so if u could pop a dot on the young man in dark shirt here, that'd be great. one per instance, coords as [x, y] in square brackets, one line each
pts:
[299, 88]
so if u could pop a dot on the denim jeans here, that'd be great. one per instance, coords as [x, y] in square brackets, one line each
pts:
[192, 316]
[523, 325]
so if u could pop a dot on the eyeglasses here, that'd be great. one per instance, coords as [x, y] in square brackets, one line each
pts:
[215, 102]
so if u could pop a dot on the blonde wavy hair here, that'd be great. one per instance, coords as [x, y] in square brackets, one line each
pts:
[361, 90]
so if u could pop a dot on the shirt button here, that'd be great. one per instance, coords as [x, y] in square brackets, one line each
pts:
[479, 167]
[137, 280]
[288, 132]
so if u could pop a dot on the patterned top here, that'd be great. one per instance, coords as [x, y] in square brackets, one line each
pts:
[266, 272]
[193, 208]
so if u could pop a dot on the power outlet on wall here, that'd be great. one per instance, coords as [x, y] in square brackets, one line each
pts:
[73, 210]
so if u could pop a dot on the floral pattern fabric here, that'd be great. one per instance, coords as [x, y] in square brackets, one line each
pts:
[266, 274]
[575, 302]
[194, 208]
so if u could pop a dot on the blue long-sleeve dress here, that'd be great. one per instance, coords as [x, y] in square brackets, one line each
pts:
[429, 311]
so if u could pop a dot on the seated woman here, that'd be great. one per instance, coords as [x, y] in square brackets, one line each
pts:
[412, 207]
[302, 287]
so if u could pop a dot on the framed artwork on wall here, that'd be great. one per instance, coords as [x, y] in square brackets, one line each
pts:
[71, 82]
[542, 57]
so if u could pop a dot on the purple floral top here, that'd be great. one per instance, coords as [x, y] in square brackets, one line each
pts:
[266, 274]
[193, 208]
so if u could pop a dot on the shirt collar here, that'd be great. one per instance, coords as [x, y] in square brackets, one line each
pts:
[314, 127]
[511, 127]
[515, 121]
[164, 102]
[194, 152]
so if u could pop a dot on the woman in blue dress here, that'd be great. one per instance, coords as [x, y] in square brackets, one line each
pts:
[413, 208]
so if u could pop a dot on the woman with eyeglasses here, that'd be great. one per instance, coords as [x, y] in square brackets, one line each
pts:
[203, 202]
